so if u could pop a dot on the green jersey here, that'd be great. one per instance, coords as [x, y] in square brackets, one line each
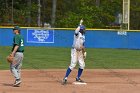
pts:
[19, 41]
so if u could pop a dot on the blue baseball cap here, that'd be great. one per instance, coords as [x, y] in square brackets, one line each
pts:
[82, 27]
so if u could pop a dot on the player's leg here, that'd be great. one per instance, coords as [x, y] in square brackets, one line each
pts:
[73, 62]
[67, 73]
[15, 68]
[72, 65]
[14, 71]
[19, 64]
[81, 66]
[19, 61]
[15, 74]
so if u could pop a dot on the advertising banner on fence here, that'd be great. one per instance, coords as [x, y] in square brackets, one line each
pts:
[40, 36]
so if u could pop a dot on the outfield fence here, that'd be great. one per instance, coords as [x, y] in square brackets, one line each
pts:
[62, 37]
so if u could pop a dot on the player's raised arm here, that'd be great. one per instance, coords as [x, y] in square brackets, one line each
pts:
[81, 21]
[78, 28]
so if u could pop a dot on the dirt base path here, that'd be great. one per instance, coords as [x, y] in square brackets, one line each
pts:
[49, 81]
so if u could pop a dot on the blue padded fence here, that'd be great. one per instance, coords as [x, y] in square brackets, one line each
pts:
[64, 38]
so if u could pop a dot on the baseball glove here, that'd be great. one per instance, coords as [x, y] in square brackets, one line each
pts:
[10, 59]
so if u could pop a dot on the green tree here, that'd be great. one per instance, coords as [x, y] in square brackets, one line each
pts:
[135, 14]
[94, 16]
[96, 13]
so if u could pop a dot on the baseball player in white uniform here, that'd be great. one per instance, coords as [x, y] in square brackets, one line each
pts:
[78, 53]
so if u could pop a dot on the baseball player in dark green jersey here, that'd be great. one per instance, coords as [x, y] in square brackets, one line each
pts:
[17, 53]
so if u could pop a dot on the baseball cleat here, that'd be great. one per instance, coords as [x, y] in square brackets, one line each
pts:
[79, 80]
[64, 81]
[17, 83]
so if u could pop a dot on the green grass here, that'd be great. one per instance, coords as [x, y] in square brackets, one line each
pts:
[48, 57]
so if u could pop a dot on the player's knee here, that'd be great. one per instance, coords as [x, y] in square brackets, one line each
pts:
[72, 66]
[12, 66]
[82, 66]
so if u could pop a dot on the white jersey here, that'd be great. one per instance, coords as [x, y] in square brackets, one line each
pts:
[79, 40]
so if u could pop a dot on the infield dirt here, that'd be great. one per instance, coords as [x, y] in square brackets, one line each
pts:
[49, 81]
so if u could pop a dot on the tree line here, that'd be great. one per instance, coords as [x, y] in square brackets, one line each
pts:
[67, 13]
